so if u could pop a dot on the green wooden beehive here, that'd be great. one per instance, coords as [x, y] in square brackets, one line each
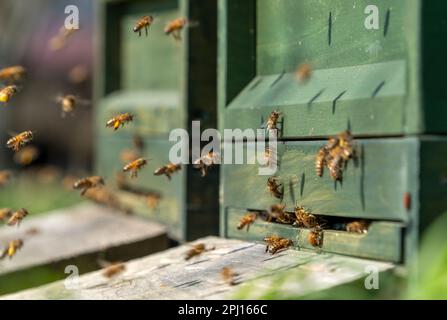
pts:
[384, 84]
[159, 80]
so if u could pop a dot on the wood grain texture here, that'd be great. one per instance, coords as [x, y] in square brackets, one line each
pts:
[167, 275]
[78, 235]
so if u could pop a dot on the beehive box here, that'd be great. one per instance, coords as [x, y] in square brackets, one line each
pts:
[166, 84]
[383, 84]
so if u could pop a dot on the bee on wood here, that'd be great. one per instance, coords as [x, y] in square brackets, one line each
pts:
[277, 212]
[5, 214]
[272, 121]
[345, 141]
[144, 22]
[113, 269]
[303, 72]
[305, 219]
[336, 164]
[196, 250]
[26, 156]
[276, 189]
[5, 177]
[228, 275]
[88, 183]
[12, 248]
[168, 170]
[315, 237]
[276, 244]
[17, 142]
[12, 74]
[134, 166]
[17, 217]
[174, 27]
[7, 93]
[119, 120]
[360, 226]
[205, 162]
[321, 161]
[247, 220]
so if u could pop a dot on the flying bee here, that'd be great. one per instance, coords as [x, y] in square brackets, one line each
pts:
[276, 244]
[17, 217]
[207, 161]
[304, 218]
[119, 120]
[168, 170]
[272, 121]
[144, 22]
[7, 93]
[5, 213]
[88, 183]
[315, 237]
[127, 156]
[69, 103]
[275, 188]
[196, 250]
[134, 166]
[26, 156]
[228, 275]
[320, 161]
[59, 41]
[360, 226]
[17, 142]
[303, 72]
[112, 269]
[247, 220]
[78, 74]
[174, 27]
[5, 177]
[12, 74]
[12, 248]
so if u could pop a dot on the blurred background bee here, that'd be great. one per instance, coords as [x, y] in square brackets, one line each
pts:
[12, 248]
[59, 41]
[5, 177]
[168, 170]
[17, 217]
[88, 183]
[119, 120]
[69, 103]
[26, 155]
[303, 72]
[7, 93]
[5, 214]
[228, 275]
[111, 269]
[278, 214]
[175, 27]
[196, 250]
[135, 166]
[144, 22]
[12, 75]
[19, 141]
[247, 220]
[275, 188]
[360, 226]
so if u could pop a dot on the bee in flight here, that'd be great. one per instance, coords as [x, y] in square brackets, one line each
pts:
[134, 166]
[7, 93]
[145, 22]
[17, 217]
[26, 156]
[276, 244]
[119, 120]
[275, 188]
[5, 177]
[88, 183]
[168, 170]
[12, 75]
[228, 275]
[174, 27]
[205, 162]
[11, 249]
[303, 72]
[69, 103]
[247, 220]
[5, 213]
[196, 250]
[111, 269]
[17, 142]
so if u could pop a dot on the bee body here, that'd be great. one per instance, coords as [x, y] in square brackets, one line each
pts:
[145, 22]
[275, 188]
[119, 120]
[5, 213]
[246, 220]
[360, 226]
[228, 275]
[303, 72]
[205, 162]
[196, 250]
[20, 140]
[168, 170]
[12, 248]
[5, 177]
[17, 217]
[113, 270]
[272, 121]
[12, 74]
[134, 166]
[320, 161]
[276, 244]
[88, 183]
[315, 237]
[7, 93]
[305, 219]
[174, 27]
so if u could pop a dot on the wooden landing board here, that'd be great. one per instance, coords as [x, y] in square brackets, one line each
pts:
[75, 236]
[167, 275]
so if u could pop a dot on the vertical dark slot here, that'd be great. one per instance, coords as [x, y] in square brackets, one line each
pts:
[387, 22]
[330, 29]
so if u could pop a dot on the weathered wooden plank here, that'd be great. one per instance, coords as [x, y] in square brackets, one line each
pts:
[78, 236]
[167, 275]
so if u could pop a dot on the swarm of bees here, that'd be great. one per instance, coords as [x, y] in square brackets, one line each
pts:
[17, 142]
[197, 250]
[335, 155]
[247, 220]
[144, 22]
[204, 163]
[168, 170]
[119, 120]
[11, 249]
[85, 184]
[174, 27]
[276, 189]
[276, 244]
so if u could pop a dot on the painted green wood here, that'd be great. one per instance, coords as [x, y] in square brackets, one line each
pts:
[166, 84]
[373, 188]
[382, 242]
[354, 79]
